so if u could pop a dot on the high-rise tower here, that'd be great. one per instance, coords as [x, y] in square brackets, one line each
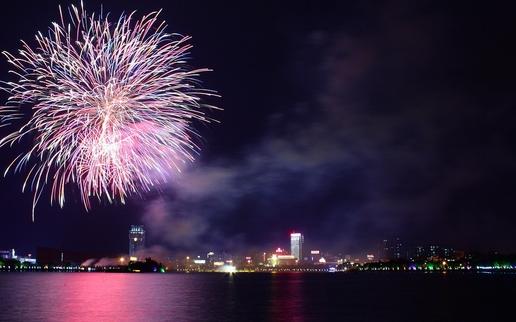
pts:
[136, 240]
[296, 245]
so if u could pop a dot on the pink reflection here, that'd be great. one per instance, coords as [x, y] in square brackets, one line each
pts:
[115, 297]
[287, 297]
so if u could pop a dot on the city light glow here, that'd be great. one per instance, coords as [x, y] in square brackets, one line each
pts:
[229, 269]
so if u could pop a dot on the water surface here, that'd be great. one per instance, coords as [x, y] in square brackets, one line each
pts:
[256, 297]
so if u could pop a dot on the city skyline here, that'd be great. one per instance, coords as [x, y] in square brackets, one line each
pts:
[389, 250]
[393, 256]
[393, 245]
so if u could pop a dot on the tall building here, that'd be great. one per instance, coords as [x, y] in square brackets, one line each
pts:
[420, 253]
[296, 245]
[433, 251]
[398, 249]
[392, 249]
[448, 253]
[385, 253]
[136, 239]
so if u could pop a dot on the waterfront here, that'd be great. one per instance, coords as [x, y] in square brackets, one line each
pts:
[255, 297]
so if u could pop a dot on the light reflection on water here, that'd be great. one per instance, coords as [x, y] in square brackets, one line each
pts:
[103, 297]
[253, 297]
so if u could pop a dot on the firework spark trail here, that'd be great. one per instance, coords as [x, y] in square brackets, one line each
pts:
[112, 106]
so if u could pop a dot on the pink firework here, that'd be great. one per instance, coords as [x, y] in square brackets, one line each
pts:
[111, 106]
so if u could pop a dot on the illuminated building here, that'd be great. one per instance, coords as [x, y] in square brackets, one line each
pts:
[296, 245]
[282, 260]
[227, 269]
[315, 255]
[7, 254]
[248, 261]
[420, 253]
[392, 249]
[27, 259]
[11, 254]
[210, 257]
[136, 240]
[434, 252]
[398, 249]
[385, 250]
[448, 253]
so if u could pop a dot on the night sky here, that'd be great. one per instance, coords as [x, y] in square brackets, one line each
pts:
[350, 122]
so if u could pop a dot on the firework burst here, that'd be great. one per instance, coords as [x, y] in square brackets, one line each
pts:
[108, 106]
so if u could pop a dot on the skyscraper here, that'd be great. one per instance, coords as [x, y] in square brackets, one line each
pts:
[420, 253]
[136, 239]
[392, 249]
[386, 253]
[296, 245]
[398, 249]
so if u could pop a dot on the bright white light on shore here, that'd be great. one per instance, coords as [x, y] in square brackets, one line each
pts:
[229, 269]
